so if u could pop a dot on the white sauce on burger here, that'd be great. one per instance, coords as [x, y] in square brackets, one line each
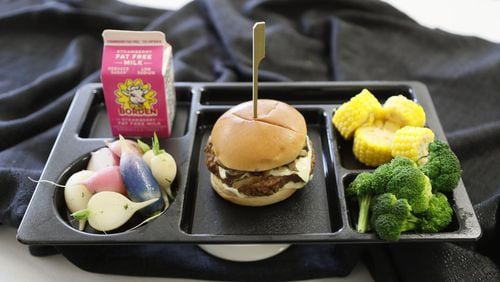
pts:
[302, 164]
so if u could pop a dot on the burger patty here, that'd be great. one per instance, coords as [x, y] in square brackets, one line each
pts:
[253, 183]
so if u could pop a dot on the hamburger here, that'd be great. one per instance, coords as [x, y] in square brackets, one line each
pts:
[259, 161]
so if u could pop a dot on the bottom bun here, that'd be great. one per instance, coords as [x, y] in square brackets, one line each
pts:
[252, 201]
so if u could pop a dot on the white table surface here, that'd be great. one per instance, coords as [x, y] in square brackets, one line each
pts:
[466, 17]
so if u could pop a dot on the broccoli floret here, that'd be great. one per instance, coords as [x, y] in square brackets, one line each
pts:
[362, 189]
[438, 216]
[361, 185]
[442, 167]
[388, 227]
[400, 161]
[392, 216]
[408, 182]
[384, 173]
[381, 176]
[383, 204]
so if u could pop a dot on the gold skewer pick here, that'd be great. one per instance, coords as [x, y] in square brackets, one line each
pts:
[259, 52]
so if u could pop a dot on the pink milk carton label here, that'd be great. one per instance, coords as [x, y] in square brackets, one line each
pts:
[138, 82]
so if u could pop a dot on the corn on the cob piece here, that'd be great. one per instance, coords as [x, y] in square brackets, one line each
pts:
[372, 144]
[360, 110]
[412, 142]
[404, 111]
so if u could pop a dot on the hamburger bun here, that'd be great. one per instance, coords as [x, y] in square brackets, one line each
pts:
[274, 138]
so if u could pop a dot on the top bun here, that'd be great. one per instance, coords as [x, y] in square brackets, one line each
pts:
[273, 139]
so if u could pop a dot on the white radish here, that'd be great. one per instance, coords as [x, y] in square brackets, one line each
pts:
[76, 194]
[164, 170]
[147, 156]
[102, 158]
[162, 165]
[109, 210]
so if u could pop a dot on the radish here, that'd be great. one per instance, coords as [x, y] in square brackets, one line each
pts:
[76, 194]
[147, 156]
[106, 179]
[164, 169]
[102, 158]
[116, 148]
[109, 210]
[162, 164]
[139, 181]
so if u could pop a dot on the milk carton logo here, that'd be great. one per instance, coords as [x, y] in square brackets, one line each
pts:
[136, 98]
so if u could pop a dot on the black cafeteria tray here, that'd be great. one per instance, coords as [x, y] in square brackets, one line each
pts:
[317, 213]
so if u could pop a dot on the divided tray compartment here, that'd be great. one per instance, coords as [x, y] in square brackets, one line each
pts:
[312, 210]
[318, 213]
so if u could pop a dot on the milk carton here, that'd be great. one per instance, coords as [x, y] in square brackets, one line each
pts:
[138, 82]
